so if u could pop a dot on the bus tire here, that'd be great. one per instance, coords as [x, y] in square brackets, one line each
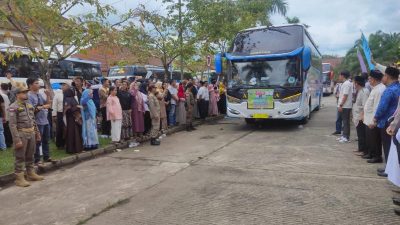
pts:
[249, 121]
[319, 104]
[307, 117]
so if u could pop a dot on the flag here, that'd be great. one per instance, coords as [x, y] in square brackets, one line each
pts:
[367, 51]
[362, 63]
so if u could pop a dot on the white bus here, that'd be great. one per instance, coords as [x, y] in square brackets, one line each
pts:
[273, 73]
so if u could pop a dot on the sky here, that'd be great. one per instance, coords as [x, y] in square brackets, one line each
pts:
[334, 24]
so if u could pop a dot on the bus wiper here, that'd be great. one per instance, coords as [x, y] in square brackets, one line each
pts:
[278, 30]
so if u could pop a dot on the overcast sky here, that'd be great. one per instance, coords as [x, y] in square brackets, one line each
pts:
[334, 24]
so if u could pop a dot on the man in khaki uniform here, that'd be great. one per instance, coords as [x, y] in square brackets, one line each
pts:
[25, 135]
[155, 113]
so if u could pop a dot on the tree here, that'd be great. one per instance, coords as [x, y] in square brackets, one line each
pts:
[217, 22]
[157, 35]
[59, 36]
[292, 20]
[295, 20]
[384, 47]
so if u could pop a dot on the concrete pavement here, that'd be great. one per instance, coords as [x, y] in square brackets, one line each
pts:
[223, 173]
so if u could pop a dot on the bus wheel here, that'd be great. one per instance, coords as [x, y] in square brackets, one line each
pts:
[308, 116]
[319, 104]
[249, 121]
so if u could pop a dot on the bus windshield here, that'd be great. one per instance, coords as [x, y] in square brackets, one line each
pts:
[280, 40]
[284, 73]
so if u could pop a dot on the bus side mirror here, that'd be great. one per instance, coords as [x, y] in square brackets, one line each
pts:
[218, 63]
[306, 58]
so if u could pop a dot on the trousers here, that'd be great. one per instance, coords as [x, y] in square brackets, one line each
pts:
[24, 155]
[105, 124]
[361, 135]
[345, 114]
[374, 142]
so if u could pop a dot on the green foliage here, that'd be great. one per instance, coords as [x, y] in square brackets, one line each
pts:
[44, 23]
[384, 47]
[217, 22]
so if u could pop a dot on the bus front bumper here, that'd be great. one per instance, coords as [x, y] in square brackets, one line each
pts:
[288, 111]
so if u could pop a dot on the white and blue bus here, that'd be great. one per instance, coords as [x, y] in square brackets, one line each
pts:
[272, 73]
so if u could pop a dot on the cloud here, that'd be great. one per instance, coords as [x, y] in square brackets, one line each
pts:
[335, 25]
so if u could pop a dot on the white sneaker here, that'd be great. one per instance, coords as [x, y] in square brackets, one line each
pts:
[161, 137]
[344, 140]
[133, 144]
[164, 135]
[339, 138]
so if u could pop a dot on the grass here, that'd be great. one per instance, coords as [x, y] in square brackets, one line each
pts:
[7, 157]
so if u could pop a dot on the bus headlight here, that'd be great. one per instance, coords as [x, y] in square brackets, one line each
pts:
[233, 99]
[293, 98]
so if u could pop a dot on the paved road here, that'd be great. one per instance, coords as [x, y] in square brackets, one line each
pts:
[224, 173]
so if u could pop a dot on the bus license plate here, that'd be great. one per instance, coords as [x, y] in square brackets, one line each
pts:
[260, 116]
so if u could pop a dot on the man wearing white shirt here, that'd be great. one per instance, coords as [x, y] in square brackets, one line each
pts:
[345, 104]
[374, 141]
[58, 114]
[203, 97]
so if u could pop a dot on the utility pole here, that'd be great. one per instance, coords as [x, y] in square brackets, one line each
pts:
[181, 37]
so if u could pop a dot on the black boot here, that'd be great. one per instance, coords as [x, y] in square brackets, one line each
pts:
[154, 141]
[192, 127]
[188, 129]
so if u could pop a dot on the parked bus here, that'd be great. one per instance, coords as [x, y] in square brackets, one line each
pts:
[24, 66]
[273, 73]
[327, 79]
[119, 72]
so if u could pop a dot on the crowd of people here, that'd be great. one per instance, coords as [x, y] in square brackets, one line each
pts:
[371, 102]
[126, 109]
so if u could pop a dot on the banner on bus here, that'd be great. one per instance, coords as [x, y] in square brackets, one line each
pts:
[260, 98]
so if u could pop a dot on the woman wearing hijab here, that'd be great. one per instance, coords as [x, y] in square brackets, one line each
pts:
[181, 111]
[72, 113]
[137, 109]
[114, 114]
[161, 87]
[222, 98]
[147, 117]
[213, 107]
[89, 126]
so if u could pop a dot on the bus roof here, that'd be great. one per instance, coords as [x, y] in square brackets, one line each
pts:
[27, 51]
[82, 61]
[286, 25]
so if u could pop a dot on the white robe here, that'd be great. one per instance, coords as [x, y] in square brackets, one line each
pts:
[393, 165]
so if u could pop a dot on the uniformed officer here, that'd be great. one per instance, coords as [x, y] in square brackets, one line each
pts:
[25, 135]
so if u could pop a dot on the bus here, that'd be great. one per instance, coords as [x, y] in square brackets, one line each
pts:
[119, 72]
[64, 71]
[273, 72]
[327, 79]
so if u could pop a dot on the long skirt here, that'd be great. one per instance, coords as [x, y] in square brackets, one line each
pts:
[116, 130]
[164, 124]
[393, 163]
[213, 107]
[73, 136]
[222, 104]
[181, 113]
[155, 127]
[147, 122]
[89, 134]
[126, 131]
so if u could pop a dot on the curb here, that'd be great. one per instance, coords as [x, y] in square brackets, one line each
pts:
[84, 156]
